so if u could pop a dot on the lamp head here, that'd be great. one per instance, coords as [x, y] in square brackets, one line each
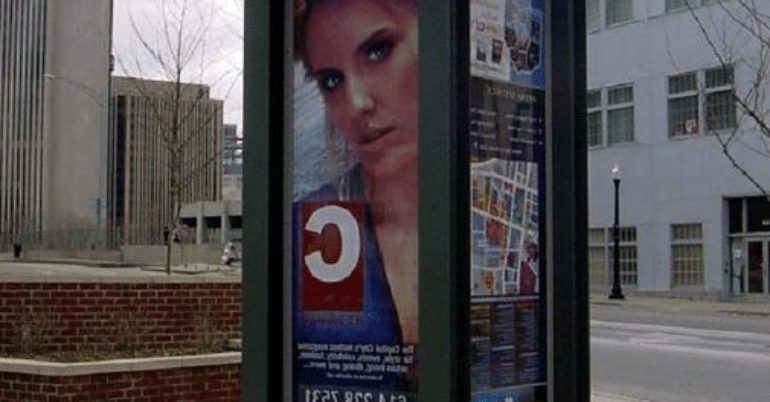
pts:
[616, 173]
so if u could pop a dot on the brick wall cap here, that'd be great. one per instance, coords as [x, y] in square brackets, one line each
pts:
[18, 278]
[51, 369]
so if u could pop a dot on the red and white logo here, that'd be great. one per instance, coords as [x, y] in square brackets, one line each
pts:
[332, 277]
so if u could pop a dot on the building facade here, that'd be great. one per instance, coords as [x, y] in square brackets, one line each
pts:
[142, 142]
[232, 168]
[665, 80]
[54, 91]
[232, 160]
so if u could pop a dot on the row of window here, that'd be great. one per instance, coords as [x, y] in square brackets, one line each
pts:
[696, 99]
[687, 268]
[620, 11]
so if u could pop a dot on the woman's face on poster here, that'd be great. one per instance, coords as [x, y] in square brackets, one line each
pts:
[363, 56]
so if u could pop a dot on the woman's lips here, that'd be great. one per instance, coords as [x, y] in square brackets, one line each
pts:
[373, 137]
[385, 153]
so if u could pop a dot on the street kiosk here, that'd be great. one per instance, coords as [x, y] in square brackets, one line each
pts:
[415, 201]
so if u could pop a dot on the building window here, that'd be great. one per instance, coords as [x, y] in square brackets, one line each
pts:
[687, 255]
[618, 11]
[620, 114]
[629, 272]
[720, 99]
[677, 5]
[757, 214]
[601, 254]
[683, 104]
[619, 120]
[593, 15]
[594, 118]
[749, 215]
[597, 259]
[717, 98]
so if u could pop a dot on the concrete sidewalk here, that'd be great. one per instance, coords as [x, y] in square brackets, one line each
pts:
[748, 306]
[606, 397]
[68, 270]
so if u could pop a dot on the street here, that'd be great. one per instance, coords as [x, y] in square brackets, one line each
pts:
[704, 352]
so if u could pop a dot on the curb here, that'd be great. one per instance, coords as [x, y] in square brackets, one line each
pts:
[607, 397]
[53, 369]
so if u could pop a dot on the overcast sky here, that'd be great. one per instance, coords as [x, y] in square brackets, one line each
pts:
[223, 64]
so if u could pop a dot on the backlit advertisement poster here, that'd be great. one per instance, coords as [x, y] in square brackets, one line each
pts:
[507, 146]
[354, 201]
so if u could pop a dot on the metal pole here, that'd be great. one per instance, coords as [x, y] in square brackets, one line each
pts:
[444, 210]
[566, 205]
[263, 194]
[617, 292]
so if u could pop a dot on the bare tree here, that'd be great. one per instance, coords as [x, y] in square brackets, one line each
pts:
[174, 44]
[737, 33]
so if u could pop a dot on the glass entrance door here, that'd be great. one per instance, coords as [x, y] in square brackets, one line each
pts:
[756, 266]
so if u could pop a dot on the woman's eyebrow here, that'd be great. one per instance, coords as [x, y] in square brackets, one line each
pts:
[374, 37]
[320, 73]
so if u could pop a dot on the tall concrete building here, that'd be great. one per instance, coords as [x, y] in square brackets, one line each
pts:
[659, 102]
[54, 85]
[140, 202]
[232, 173]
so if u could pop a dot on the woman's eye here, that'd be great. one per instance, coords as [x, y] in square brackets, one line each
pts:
[378, 50]
[329, 82]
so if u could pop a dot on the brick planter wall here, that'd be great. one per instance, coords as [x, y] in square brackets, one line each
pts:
[211, 383]
[65, 317]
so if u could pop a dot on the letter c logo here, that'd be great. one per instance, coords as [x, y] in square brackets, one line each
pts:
[350, 247]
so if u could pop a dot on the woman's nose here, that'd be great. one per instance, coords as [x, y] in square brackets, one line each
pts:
[360, 96]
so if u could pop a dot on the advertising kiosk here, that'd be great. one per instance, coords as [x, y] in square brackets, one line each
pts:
[415, 201]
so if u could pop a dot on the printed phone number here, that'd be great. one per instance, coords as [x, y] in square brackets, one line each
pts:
[325, 395]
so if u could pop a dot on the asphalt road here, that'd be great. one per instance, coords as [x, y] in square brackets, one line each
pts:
[641, 354]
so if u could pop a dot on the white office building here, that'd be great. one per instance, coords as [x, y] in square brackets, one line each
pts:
[54, 85]
[660, 105]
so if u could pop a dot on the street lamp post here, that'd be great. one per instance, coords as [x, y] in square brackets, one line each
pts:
[617, 292]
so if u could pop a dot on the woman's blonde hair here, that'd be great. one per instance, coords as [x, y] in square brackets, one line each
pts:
[304, 8]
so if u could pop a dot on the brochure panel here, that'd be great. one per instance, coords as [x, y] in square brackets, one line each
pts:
[507, 146]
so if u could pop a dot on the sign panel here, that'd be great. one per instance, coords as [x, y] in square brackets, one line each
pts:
[507, 146]
[354, 210]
